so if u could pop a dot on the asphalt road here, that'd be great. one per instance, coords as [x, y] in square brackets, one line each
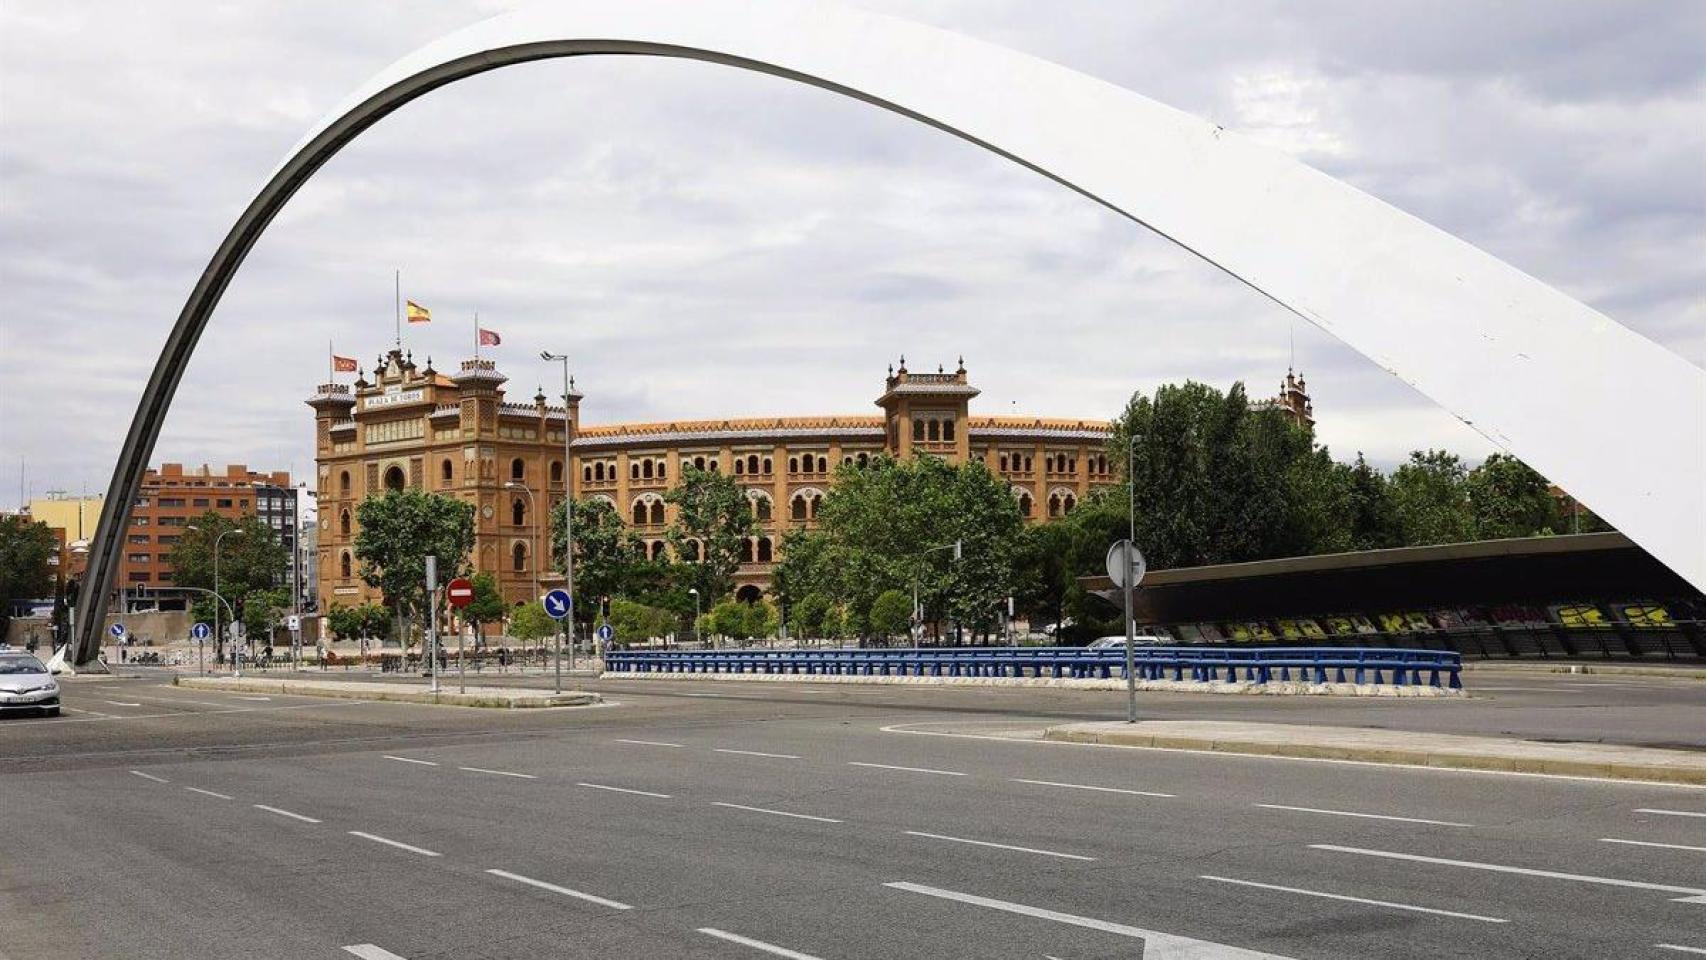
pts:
[693, 820]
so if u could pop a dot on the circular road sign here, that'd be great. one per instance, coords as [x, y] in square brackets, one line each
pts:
[201, 631]
[558, 603]
[460, 591]
[606, 632]
[117, 630]
[1117, 570]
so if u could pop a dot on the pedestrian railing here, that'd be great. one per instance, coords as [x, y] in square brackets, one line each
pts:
[1434, 668]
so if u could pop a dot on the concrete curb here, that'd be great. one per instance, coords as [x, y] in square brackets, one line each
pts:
[1511, 756]
[1280, 689]
[488, 697]
[1586, 669]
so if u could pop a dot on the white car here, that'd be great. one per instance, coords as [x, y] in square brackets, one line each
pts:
[25, 685]
[1142, 640]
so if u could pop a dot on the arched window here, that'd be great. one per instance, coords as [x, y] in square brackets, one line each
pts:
[646, 469]
[556, 471]
[766, 552]
[663, 469]
[947, 429]
[749, 594]
[633, 470]
[698, 463]
[639, 512]
[746, 550]
[518, 556]
[1004, 463]
[761, 508]
[1024, 505]
[822, 464]
[847, 459]
[767, 466]
[586, 473]
[1068, 503]
[917, 431]
[657, 549]
[1029, 468]
[793, 464]
[864, 459]
[935, 429]
[343, 523]
[690, 551]
[518, 512]
[446, 472]
[657, 511]
[517, 469]
[1054, 505]
[797, 508]
[394, 479]
[817, 501]
[714, 466]
[344, 565]
[740, 466]
[752, 463]
[343, 482]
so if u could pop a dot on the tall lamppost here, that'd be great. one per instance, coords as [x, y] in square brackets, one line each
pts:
[237, 670]
[695, 592]
[568, 501]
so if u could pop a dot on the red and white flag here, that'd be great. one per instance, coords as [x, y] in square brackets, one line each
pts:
[343, 364]
[489, 338]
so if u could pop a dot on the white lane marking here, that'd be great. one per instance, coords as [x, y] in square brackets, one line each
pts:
[121, 703]
[650, 743]
[756, 753]
[208, 793]
[199, 703]
[283, 813]
[889, 766]
[999, 846]
[1365, 816]
[251, 698]
[150, 776]
[367, 951]
[777, 813]
[1086, 786]
[565, 891]
[1156, 945]
[758, 945]
[376, 838]
[97, 717]
[93, 713]
[500, 773]
[424, 763]
[1689, 894]
[1679, 948]
[1649, 843]
[1670, 813]
[1340, 896]
[642, 793]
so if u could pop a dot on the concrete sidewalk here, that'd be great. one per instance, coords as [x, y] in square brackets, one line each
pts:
[496, 697]
[1397, 747]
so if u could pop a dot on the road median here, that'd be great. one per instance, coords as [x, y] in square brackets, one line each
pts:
[503, 698]
[1602, 761]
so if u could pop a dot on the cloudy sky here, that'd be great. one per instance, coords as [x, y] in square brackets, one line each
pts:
[712, 243]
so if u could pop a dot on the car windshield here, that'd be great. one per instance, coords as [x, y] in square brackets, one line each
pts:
[10, 665]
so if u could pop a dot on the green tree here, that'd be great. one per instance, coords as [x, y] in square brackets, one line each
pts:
[715, 516]
[1430, 499]
[345, 622]
[398, 531]
[260, 613]
[728, 619]
[1507, 498]
[1372, 516]
[27, 549]
[635, 622]
[251, 561]
[890, 613]
[762, 619]
[610, 559]
[833, 626]
[487, 606]
[809, 614]
[530, 622]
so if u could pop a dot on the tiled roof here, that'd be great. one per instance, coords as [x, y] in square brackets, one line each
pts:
[755, 428]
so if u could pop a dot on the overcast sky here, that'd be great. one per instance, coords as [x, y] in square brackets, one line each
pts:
[707, 242]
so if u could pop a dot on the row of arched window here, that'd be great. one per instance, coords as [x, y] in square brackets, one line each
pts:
[933, 429]
[752, 465]
[808, 463]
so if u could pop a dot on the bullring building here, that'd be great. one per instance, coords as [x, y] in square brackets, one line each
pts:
[456, 434]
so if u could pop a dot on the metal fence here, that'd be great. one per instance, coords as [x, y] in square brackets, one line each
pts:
[1398, 667]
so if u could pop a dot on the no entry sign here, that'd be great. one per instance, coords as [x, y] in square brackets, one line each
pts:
[460, 592]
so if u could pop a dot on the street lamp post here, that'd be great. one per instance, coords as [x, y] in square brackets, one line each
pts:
[237, 669]
[695, 592]
[568, 501]
[1130, 545]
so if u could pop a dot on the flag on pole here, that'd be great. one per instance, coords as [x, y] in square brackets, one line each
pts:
[417, 313]
[489, 338]
[343, 364]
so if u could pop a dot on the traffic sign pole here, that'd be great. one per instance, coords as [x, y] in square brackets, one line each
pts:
[560, 605]
[460, 593]
[430, 648]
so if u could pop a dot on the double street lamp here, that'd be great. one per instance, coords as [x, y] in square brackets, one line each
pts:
[237, 668]
[568, 501]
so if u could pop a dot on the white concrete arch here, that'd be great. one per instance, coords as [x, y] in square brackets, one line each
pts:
[1612, 417]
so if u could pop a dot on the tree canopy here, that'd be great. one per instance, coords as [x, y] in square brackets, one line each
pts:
[27, 549]
[713, 520]
[399, 529]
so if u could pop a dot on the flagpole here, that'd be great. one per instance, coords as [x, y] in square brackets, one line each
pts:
[397, 306]
[331, 363]
[476, 334]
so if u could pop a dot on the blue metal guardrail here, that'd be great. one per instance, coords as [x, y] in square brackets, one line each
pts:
[1202, 664]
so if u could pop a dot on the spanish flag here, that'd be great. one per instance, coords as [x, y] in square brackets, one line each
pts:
[417, 313]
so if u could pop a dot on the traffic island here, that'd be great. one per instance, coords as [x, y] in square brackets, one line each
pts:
[505, 698]
[1601, 761]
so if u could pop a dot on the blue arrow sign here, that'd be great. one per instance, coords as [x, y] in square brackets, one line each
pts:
[558, 603]
[117, 630]
[606, 633]
[201, 631]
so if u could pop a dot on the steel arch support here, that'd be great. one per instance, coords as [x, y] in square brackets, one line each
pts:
[1615, 419]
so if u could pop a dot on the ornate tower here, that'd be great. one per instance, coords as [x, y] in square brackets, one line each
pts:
[926, 413]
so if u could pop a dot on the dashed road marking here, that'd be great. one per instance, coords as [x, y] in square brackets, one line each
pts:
[424, 763]
[775, 813]
[1339, 896]
[1671, 813]
[641, 793]
[890, 766]
[1649, 843]
[150, 776]
[758, 945]
[565, 891]
[500, 773]
[400, 845]
[208, 793]
[756, 753]
[283, 813]
[650, 743]
[367, 951]
[1363, 816]
[1086, 786]
[999, 846]
[1689, 894]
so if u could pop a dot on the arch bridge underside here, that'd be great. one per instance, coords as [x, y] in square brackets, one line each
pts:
[1617, 420]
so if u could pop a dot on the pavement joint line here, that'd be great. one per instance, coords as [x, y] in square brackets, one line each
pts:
[500, 773]
[1349, 899]
[651, 743]
[209, 793]
[1364, 816]
[1086, 786]
[553, 888]
[283, 813]
[150, 776]
[400, 845]
[890, 766]
[1679, 948]
[758, 945]
[1671, 813]
[1650, 843]
[1689, 894]
[642, 793]
[756, 753]
[1156, 944]
[424, 763]
[367, 951]
[777, 813]
[1000, 846]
